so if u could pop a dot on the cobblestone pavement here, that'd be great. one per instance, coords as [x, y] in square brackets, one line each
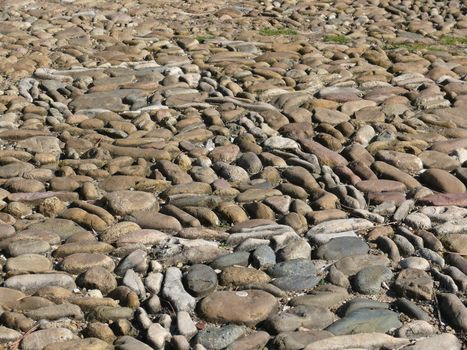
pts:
[233, 175]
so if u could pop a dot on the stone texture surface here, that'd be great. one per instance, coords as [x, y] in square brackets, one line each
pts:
[226, 174]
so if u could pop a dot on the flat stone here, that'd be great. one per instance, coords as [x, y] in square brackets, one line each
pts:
[297, 340]
[358, 341]
[30, 283]
[236, 258]
[80, 262]
[41, 338]
[213, 338]
[369, 279]
[438, 160]
[297, 267]
[366, 321]
[239, 276]
[310, 317]
[338, 248]
[126, 202]
[453, 310]
[174, 291]
[445, 341]
[326, 295]
[200, 280]
[81, 344]
[32, 263]
[353, 264]
[242, 307]
[380, 186]
[255, 340]
[9, 297]
[442, 181]
[414, 283]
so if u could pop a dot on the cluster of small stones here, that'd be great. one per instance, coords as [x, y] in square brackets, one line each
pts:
[221, 174]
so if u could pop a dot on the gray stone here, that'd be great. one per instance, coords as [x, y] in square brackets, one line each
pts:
[369, 279]
[174, 291]
[219, 338]
[338, 248]
[366, 321]
[200, 280]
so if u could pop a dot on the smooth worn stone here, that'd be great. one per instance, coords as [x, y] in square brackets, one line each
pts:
[130, 343]
[242, 307]
[150, 219]
[453, 310]
[365, 321]
[238, 276]
[62, 227]
[9, 297]
[340, 225]
[411, 309]
[127, 202]
[111, 313]
[369, 279]
[323, 115]
[32, 263]
[438, 160]
[414, 283]
[441, 199]
[307, 316]
[442, 181]
[200, 280]
[408, 163]
[80, 262]
[324, 295]
[263, 257]
[55, 312]
[353, 264]
[99, 278]
[403, 244]
[338, 248]
[30, 283]
[380, 186]
[296, 283]
[157, 335]
[414, 262]
[297, 340]
[390, 172]
[41, 338]
[298, 267]
[213, 338]
[325, 155]
[416, 329]
[418, 221]
[81, 344]
[255, 340]
[362, 303]
[82, 247]
[146, 237]
[174, 291]
[358, 341]
[236, 258]
[134, 260]
[445, 341]
[28, 246]
[431, 256]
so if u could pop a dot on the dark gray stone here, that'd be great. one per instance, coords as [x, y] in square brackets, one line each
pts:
[200, 280]
[341, 247]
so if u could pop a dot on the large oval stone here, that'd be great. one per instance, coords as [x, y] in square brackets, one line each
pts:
[242, 307]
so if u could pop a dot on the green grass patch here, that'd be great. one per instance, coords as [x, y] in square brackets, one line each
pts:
[277, 31]
[453, 40]
[337, 39]
[202, 38]
[414, 47]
